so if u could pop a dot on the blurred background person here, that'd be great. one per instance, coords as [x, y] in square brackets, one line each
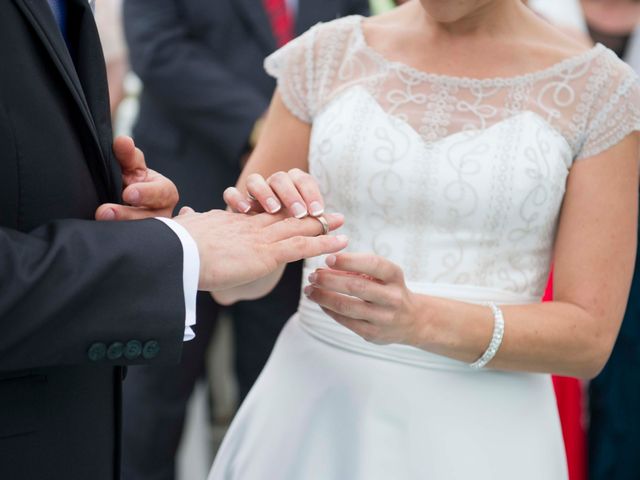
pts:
[564, 14]
[614, 396]
[109, 21]
[205, 93]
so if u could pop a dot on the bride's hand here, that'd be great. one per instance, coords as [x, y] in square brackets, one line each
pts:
[296, 190]
[367, 294]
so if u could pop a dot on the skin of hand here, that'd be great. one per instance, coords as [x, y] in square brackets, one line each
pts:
[147, 193]
[237, 249]
[296, 190]
[368, 295]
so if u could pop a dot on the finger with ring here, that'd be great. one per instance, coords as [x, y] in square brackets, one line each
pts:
[325, 225]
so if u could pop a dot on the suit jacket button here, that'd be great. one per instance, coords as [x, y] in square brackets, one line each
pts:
[151, 350]
[133, 350]
[115, 351]
[97, 352]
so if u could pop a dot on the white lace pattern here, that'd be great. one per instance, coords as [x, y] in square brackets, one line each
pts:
[458, 180]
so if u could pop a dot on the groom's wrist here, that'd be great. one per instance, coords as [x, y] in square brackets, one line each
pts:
[190, 273]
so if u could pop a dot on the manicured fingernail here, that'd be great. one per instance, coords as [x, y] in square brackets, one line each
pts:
[298, 210]
[308, 290]
[108, 214]
[273, 205]
[316, 209]
[343, 238]
[133, 196]
[313, 277]
[331, 260]
[243, 206]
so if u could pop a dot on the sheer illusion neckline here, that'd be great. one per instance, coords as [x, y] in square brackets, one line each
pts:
[550, 71]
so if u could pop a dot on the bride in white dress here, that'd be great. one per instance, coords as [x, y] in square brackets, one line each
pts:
[465, 142]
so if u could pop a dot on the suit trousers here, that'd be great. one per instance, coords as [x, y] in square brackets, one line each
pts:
[155, 398]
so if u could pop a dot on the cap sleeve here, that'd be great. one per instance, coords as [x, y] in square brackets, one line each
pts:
[307, 67]
[616, 110]
[293, 66]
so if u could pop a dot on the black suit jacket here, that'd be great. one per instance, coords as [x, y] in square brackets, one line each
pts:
[201, 62]
[78, 299]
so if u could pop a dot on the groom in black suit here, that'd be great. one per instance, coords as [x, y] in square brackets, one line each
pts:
[80, 299]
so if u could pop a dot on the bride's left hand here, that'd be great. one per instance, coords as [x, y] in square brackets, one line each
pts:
[367, 294]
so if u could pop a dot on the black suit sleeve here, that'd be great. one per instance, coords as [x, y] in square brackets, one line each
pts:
[187, 80]
[72, 284]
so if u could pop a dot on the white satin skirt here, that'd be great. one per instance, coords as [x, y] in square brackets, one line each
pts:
[329, 406]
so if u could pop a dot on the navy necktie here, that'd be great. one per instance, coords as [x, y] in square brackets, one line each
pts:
[59, 8]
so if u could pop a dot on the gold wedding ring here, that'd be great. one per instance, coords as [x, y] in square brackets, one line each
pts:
[325, 225]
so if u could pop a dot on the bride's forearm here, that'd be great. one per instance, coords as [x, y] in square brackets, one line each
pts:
[553, 337]
[250, 291]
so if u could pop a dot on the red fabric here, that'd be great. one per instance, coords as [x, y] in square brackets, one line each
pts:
[281, 20]
[570, 406]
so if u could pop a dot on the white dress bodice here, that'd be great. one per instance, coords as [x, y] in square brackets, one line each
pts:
[459, 181]
[458, 210]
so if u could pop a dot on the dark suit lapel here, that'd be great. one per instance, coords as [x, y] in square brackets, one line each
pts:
[90, 67]
[253, 12]
[41, 19]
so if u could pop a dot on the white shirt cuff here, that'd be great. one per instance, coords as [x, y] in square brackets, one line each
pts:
[190, 274]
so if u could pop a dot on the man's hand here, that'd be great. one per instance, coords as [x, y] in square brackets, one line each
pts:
[237, 249]
[147, 193]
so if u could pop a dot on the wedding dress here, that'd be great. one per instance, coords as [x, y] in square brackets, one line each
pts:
[460, 182]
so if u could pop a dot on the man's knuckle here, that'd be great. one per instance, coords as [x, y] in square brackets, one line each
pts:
[298, 242]
[343, 306]
[291, 222]
[375, 262]
[367, 334]
[355, 286]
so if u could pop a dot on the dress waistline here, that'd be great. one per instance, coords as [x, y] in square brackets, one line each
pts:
[324, 328]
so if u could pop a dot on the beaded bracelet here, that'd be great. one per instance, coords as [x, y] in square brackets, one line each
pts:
[496, 339]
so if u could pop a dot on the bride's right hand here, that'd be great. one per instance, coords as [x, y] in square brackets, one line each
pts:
[296, 190]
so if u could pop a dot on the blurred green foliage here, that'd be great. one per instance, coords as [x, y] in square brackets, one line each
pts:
[379, 6]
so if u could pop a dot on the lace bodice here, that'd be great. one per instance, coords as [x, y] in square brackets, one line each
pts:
[458, 180]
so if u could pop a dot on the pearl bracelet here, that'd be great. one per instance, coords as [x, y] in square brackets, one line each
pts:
[496, 339]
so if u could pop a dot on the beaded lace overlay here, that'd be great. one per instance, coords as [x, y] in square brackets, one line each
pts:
[458, 180]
